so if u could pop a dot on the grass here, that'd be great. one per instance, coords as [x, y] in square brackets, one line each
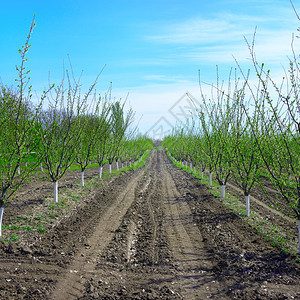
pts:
[12, 238]
[133, 166]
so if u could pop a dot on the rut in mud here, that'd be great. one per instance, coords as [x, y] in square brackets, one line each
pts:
[153, 233]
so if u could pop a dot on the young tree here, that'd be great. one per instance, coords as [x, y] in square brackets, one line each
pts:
[119, 124]
[221, 110]
[247, 162]
[18, 125]
[61, 127]
[88, 139]
[102, 144]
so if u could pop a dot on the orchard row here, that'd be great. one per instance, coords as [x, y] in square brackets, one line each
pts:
[247, 131]
[64, 128]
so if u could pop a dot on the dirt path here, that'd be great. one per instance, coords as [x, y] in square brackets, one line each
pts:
[83, 265]
[153, 233]
[186, 242]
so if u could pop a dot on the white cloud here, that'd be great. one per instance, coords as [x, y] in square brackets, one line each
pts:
[193, 32]
[216, 40]
[223, 28]
[165, 78]
[269, 47]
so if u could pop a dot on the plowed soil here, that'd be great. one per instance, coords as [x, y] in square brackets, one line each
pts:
[152, 233]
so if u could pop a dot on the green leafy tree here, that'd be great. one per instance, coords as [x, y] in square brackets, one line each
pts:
[18, 138]
[62, 126]
[93, 125]
[120, 122]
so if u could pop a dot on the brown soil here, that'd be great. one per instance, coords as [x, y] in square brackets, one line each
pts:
[152, 233]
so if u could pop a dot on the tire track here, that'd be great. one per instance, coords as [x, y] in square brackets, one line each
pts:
[193, 262]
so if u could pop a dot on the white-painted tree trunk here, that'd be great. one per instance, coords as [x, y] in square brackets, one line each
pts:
[223, 187]
[247, 205]
[191, 166]
[210, 178]
[19, 170]
[100, 172]
[42, 167]
[299, 236]
[1, 217]
[194, 169]
[109, 168]
[202, 175]
[56, 191]
[117, 165]
[122, 165]
[82, 178]
[26, 164]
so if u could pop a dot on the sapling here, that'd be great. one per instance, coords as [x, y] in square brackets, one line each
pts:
[101, 145]
[120, 122]
[19, 126]
[61, 126]
[87, 140]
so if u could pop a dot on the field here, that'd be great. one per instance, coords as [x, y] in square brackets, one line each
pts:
[155, 232]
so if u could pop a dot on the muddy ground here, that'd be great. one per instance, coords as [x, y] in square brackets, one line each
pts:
[152, 233]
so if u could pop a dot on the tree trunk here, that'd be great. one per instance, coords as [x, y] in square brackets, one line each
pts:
[82, 178]
[210, 178]
[100, 172]
[247, 205]
[1, 217]
[117, 165]
[299, 236]
[223, 187]
[56, 191]
[109, 168]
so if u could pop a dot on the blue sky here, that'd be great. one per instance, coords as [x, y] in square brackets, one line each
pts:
[152, 49]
